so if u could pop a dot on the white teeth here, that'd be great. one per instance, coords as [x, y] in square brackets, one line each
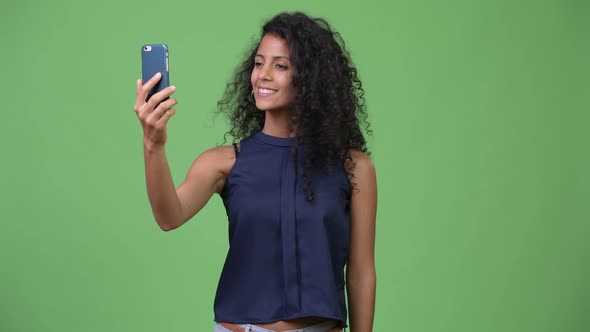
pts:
[267, 91]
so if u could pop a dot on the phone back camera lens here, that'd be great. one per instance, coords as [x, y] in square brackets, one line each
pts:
[147, 48]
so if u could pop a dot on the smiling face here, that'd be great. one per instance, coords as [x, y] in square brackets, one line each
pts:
[272, 75]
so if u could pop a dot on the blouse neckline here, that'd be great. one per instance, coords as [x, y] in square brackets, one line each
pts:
[274, 140]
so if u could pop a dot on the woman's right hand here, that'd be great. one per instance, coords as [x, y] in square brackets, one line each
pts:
[154, 113]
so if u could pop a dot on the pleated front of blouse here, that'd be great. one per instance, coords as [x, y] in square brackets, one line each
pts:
[287, 255]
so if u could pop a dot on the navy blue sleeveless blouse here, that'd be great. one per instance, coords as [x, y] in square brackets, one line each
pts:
[286, 257]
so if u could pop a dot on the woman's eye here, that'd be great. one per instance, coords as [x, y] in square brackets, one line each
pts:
[257, 64]
[283, 67]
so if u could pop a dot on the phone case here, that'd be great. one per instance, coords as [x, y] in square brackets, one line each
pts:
[154, 59]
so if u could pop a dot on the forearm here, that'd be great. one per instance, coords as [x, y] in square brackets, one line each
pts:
[160, 188]
[361, 300]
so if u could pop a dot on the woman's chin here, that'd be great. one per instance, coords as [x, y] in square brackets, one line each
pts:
[265, 107]
[270, 107]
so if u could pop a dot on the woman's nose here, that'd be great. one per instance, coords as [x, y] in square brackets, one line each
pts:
[264, 73]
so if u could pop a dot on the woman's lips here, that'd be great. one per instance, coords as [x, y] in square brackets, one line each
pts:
[265, 92]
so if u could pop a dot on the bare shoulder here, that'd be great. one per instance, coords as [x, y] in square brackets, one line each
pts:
[221, 158]
[361, 159]
[219, 152]
[364, 178]
[211, 168]
[363, 165]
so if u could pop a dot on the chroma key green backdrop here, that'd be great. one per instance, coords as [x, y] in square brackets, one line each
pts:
[481, 143]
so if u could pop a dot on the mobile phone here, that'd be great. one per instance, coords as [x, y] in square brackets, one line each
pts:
[154, 59]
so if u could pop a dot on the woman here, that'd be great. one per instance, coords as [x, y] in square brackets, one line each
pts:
[299, 189]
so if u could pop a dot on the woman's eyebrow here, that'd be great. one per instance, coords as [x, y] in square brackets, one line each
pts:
[275, 57]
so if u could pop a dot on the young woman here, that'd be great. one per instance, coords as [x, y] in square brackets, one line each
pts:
[299, 189]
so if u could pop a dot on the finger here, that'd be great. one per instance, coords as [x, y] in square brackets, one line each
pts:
[166, 116]
[138, 102]
[161, 109]
[149, 85]
[137, 86]
[160, 97]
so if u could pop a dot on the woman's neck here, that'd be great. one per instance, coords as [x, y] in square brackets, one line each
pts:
[278, 124]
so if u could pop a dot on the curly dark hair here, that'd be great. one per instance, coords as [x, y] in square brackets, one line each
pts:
[329, 105]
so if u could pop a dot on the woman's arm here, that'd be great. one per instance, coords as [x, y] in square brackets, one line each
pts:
[361, 278]
[173, 207]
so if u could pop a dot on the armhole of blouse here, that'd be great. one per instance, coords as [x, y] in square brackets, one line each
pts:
[236, 149]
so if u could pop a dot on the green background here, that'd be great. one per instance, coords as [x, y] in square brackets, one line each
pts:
[480, 119]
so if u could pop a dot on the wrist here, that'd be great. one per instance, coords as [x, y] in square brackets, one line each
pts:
[150, 146]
